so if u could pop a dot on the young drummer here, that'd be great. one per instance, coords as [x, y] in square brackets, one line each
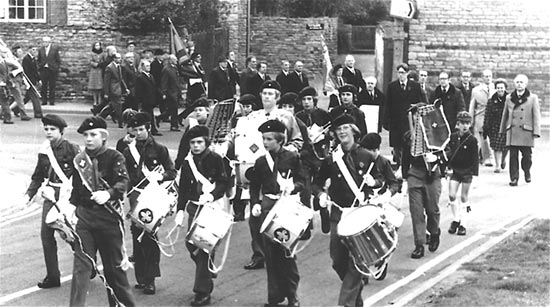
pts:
[142, 156]
[278, 172]
[462, 152]
[200, 165]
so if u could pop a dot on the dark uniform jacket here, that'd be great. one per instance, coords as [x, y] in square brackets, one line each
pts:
[294, 82]
[462, 152]
[354, 111]
[151, 154]
[111, 175]
[146, 90]
[452, 102]
[220, 87]
[130, 73]
[211, 166]
[264, 181]
[30, 67]
[390, 181]
[64, 152]
[283, 80]
[320, 117]
[339, 190]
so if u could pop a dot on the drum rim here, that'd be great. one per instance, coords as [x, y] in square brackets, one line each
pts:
[362, 230]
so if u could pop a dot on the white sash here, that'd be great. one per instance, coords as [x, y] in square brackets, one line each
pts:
[137, 158]
[337, 156]
[55, 165]
[271, 164]
[207, 186]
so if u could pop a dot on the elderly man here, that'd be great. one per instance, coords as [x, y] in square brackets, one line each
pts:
[521, 123]
[353, 75]
[114, 88]
[450, 97]
[480, 96]
[49, 61]
[297, 80]
[372, 103]
[283, 77]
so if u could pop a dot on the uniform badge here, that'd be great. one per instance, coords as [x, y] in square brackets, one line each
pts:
[154, 161]
[145, 216]
[282, 235]
[82, 163]
[361, 164]
[360, 172]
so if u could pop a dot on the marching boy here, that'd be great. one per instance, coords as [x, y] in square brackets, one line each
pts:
[271, 176]
[462, 151]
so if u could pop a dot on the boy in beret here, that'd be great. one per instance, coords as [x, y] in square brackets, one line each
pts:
[193, 194]
[201, 110]
[278, 172]
[347, 158]
[55, 163]
[462, 151]
[142, 156]
[99, 185]
[348, 97]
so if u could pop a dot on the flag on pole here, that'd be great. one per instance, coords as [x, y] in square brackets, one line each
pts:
[328, 85]
[177, 47]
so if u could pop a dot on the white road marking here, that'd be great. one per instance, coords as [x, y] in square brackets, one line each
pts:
[431, 264]
[19, 216]
[402, 301]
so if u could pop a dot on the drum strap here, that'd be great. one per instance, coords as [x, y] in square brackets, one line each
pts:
[207, 186]
[134, 152]
[338, 156]
[271, 164]
[55, 165]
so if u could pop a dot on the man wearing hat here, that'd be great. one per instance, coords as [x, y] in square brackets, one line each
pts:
[277, 173]
[349, 167]
[219, 87]
[55, 163]
[48, 66]
[348, 97]
[462, 152]
[99, 185]
[203, 180]
[142, 156]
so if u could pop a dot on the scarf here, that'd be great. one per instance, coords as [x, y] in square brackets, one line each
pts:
[516, 100]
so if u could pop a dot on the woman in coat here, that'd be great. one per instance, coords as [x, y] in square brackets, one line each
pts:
[95, 81]
[491, 124]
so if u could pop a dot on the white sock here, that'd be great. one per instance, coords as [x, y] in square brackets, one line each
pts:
[463, 205]
[455, 209]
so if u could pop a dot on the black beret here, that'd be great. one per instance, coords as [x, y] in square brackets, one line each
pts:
[307, 91]
[128, 114]
[54, 120]
[271, 84]
[198, 131]
[131, 43]
[350, 88]
[248, 99]
[272, 125]
[371, 141]
[341, 120]
[464, 117]
[195, 55]
[159, 51]
[139, 119]
[289, 98]
[201, 102]
[90, 123]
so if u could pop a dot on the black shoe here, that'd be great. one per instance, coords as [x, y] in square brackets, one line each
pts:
[513, 183]
[9, 122]
[175, 129]
[454, 226]
[139, 286]
[293, 302]
[44, 103]
[527, 177]
[238, 217]
[461, 231]
[418, 252]
[49, 282]
[26, 118]
[156, 134]
[434, 242]
[150, 288]
[201, 300]
[254, 265]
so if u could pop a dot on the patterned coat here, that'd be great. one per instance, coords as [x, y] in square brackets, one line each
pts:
[491, 124]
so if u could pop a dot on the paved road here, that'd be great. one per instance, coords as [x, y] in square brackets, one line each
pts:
[496, 207]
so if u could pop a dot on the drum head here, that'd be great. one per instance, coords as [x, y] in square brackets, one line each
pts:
[358, 219]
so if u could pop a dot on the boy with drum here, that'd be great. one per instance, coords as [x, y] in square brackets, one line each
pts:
[371, 142]
[142, 156]
[201, 168]
[348, 170]
[277, 173]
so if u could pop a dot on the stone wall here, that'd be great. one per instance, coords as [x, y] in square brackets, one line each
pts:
[508, 37]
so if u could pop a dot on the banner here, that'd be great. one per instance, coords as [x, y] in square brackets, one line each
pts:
[177, 47]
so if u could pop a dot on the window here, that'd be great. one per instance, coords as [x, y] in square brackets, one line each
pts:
[22, 10]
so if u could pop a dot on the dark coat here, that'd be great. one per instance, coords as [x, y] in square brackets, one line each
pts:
[219, 87]
[294, 82]
[462, 152]
[113, 82]
[398, 102]
[254, 85]
[156, 70]
[244, 79]
[130, 73]
[234, 78]
[467, 94]
[30, 67]
[452, 102]
[355, 79]
[146, 90]
[52, 59]
[170, 84]
[428, 91]
[284, 81]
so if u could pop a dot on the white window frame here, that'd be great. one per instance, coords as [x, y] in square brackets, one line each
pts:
[5, 13]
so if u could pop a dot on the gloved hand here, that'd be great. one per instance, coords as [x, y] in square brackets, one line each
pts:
[369, 180]
[179, 218]
[100, 197]
[206, 198]
[256, 210]
[324, 200]
[48, 193]
[155, 177]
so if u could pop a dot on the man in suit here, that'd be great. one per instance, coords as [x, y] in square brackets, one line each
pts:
[49, 61]
[373, 97]
[247, 74]
[114, 89]
[233, 72]
[170, 86]
[451, 99]
[466, 87]
[146, 91]
[400, 94]
[130, 73]
[156, 69]
[427, 90]
[30, 67]
[219, 87]
[283, 77]
[297, 80]
[255, 83]
[353, 76]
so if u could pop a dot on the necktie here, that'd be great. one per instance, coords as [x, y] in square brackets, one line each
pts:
[340, 81]
[301, 78]
[403, 86]
[372, 94]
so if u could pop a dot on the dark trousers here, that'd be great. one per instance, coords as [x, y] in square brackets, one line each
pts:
[32, 95]
[203, 278]
[100, 230]
[526, 161]
[4, 102]
[49, 244]
[423, 202]
[282, 272]
[397, 155]
[171, 111]
[255, 223]
[343, 265]
[48, 77]
[149, 109]
[146, 256]
[239, 204]
[114, 108]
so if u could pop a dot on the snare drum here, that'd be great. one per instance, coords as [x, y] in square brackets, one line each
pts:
[287, 221]
[154, 203]
[209, 228]
[240, 171]
[368, 239]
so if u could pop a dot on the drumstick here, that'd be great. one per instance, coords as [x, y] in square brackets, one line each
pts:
[364, 181]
